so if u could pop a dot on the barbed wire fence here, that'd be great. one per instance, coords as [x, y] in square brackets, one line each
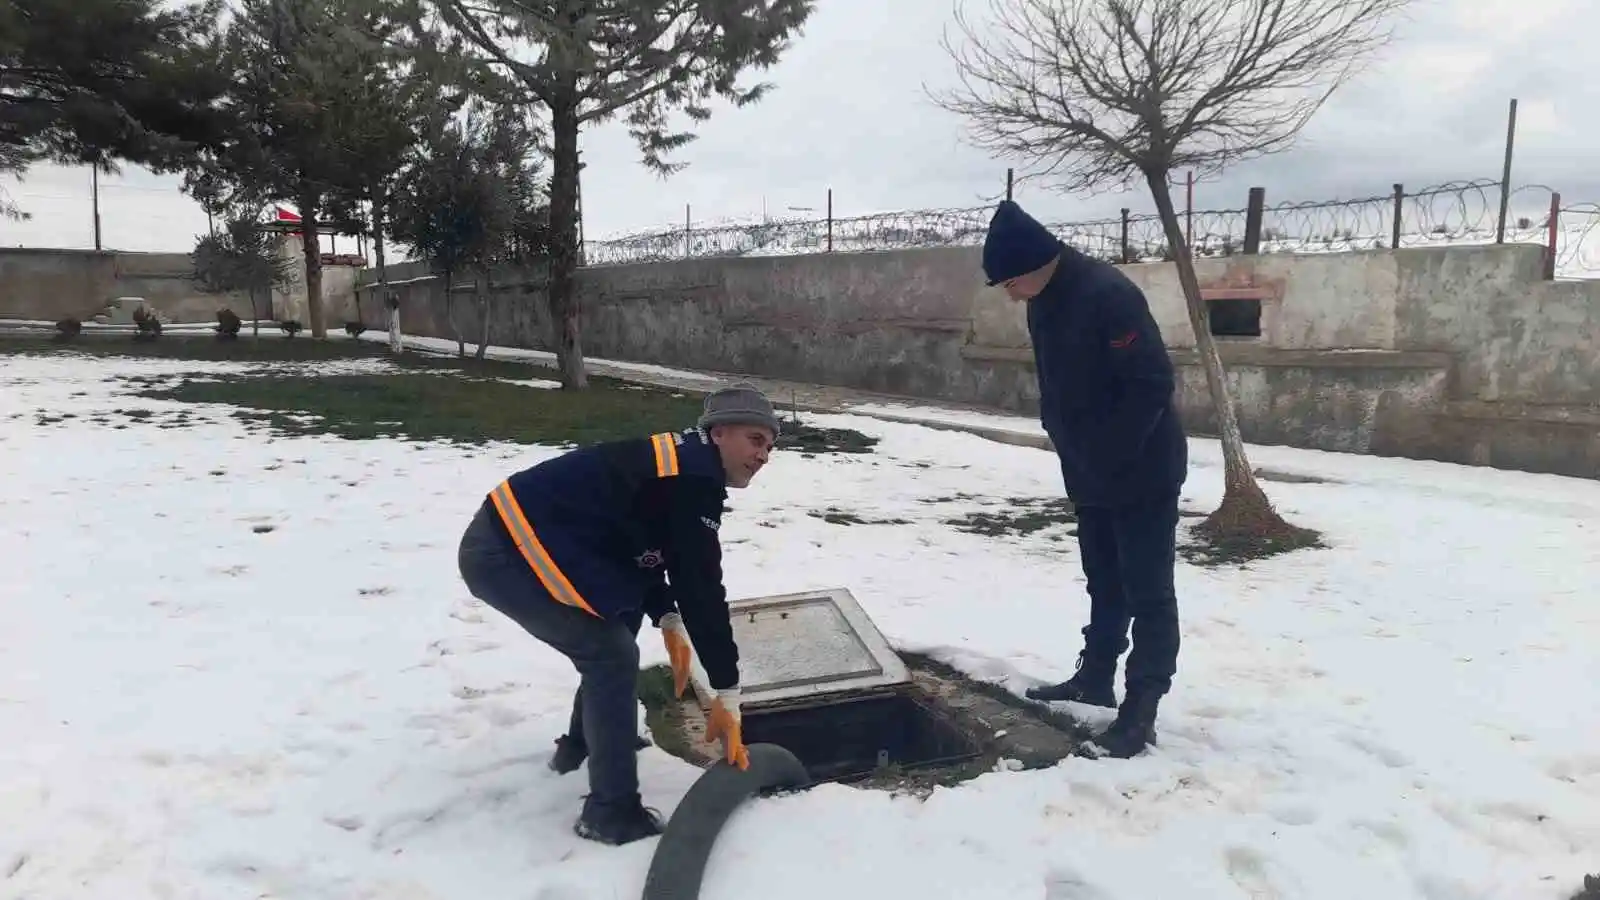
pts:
[139, 218]
[1461, 212]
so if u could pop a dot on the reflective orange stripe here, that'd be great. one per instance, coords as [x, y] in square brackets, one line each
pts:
[550, 575]
[666, 455]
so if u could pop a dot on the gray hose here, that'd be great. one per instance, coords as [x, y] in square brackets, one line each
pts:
[679, 863]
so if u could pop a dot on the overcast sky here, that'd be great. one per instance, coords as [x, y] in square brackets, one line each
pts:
[849, 112]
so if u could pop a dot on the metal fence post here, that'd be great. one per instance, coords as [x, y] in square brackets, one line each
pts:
[1399, 204]
[1254, 211]
[1188, 215]
[1127, 251]
[1551, 237]
[1505, 175]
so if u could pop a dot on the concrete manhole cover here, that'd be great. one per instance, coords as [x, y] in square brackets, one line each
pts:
[799, 645]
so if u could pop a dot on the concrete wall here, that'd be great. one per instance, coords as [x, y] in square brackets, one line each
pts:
[291, 302]
[49, 285]
[1459, 353]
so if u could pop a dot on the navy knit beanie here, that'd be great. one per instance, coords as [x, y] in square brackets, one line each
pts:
[1016, 244]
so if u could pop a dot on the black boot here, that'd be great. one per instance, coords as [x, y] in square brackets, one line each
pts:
[571, 752]
[1133, 730]
[1093, 684]
[618, 823]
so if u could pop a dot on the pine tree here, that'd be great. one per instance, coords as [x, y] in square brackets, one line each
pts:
[98, 81]
[297, 106]
[595, 60]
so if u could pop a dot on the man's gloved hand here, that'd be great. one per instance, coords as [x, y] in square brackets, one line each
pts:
[679, 654]
[723, 722]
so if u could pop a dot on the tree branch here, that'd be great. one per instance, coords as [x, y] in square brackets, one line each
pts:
[464, 18]
[1091, 93]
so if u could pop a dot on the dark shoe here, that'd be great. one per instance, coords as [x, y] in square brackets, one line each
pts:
[619, 823]
[571, 752]
[1133, 730]
[1092, 685]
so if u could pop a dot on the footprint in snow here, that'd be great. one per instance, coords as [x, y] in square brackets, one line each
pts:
[1213, 711]
[1383, 753]
[1536, 828]
[1576, 770]
[560, 891]
[501, 716]
[156, 759]
[347, 823]
[1069, 884]
[1248, 869]
[467, 692]
[456, 648]
[527, 759]
[402, 827]
[1294, 814]
[1389, 833]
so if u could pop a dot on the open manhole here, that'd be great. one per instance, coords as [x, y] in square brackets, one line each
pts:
[853, 738]
[821, 681]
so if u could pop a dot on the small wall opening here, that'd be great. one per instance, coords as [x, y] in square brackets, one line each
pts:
[850, 739]
[1234, 316]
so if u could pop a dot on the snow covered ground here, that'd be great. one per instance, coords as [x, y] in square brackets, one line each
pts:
[234, 666]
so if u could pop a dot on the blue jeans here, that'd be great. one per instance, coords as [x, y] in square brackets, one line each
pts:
[605, 653]
[1129, 553]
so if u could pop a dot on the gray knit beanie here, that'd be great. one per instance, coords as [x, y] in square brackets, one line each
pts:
[740, 404]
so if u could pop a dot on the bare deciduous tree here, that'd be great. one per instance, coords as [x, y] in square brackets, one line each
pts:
[1099, 94]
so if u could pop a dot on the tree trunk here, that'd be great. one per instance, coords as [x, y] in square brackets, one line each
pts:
[450, 313]
[481, 288]
[311, 246]
[1242, 497]
[564, 241]
[255, 311]
[380, 205]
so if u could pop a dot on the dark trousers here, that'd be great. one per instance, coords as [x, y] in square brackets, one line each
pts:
[1129, 553]
[575, 725]
[605, 653]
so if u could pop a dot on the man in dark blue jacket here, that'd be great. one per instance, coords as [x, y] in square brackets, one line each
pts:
[580, 548]
[1106, 400]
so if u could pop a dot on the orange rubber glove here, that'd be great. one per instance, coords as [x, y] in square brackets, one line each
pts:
[723, 722]
[679, 653]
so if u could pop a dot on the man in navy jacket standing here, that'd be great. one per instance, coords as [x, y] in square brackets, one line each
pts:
[1106, 401]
